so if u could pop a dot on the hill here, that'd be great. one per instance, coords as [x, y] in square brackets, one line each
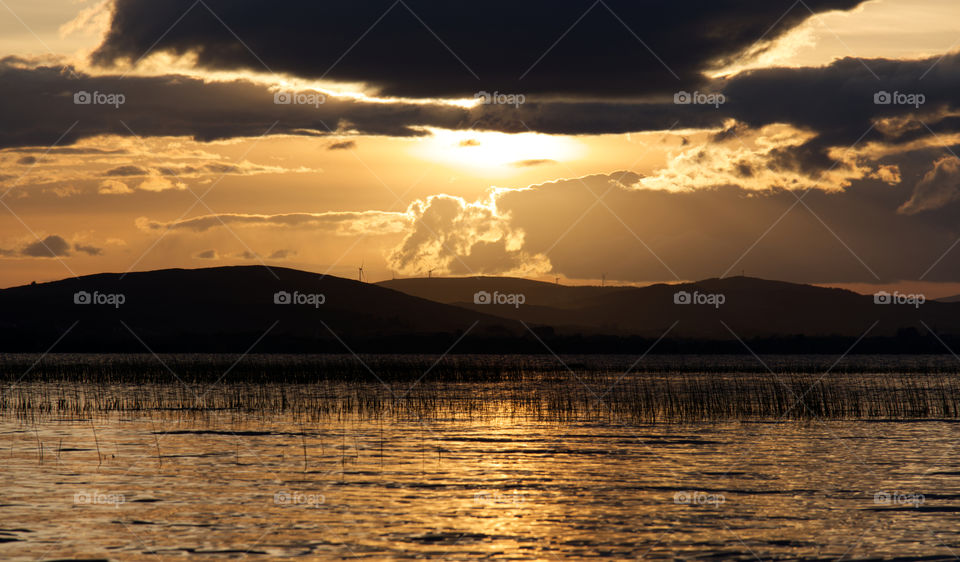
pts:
[750, 307]
[285, 310]
[227, 308]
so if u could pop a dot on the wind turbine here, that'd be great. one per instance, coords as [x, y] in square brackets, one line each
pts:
[360, 272]
[429, 273]
[603, 279]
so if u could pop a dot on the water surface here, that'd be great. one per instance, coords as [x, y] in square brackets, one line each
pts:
[225, 486]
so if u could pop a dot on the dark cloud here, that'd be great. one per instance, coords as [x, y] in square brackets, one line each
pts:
[123, 171]
[834, 104]
[731, 131]
[705, 233]
[345, 145]
[839, 103]
[836, 101]
[276, 255]
[207, 255]
[64, 150]
[939, 187]
[223, 168]
[282, 254]
[429, 48]
[52, 246]
[534, 162]
[27, 160]
[39, 108]
[87, 249]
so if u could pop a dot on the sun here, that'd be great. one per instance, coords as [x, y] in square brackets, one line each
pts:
[496, 153]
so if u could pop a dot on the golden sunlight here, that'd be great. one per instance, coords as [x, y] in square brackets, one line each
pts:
[496, 153]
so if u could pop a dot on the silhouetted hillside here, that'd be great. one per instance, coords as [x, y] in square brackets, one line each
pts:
[239, 308]
[461, 290]
[751, 308]
[226, 308]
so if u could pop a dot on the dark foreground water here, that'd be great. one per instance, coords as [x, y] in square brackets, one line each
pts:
[501, 489]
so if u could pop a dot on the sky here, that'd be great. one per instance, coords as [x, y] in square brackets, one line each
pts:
[812, 141]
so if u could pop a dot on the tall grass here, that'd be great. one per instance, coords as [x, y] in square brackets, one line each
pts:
[463, 387]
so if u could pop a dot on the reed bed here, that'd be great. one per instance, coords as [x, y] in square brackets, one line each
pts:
[465, 387]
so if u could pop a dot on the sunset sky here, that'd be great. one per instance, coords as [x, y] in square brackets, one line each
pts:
[790, 164]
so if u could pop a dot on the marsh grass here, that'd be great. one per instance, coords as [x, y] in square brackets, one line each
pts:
[316, 388]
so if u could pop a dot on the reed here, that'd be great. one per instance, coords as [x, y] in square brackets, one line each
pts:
[464, 387]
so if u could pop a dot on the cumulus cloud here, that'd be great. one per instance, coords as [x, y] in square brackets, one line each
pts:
[443, 233]
[636, 233]
[451, 235]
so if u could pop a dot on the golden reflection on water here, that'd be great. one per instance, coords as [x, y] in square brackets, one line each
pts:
[499, 487]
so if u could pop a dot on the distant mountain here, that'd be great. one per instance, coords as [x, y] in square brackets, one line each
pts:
[750, 307]
[462, 290]
[278, 309]
[227, 308]
[954, 298]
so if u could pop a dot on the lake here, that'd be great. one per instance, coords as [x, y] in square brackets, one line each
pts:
[471, 470]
